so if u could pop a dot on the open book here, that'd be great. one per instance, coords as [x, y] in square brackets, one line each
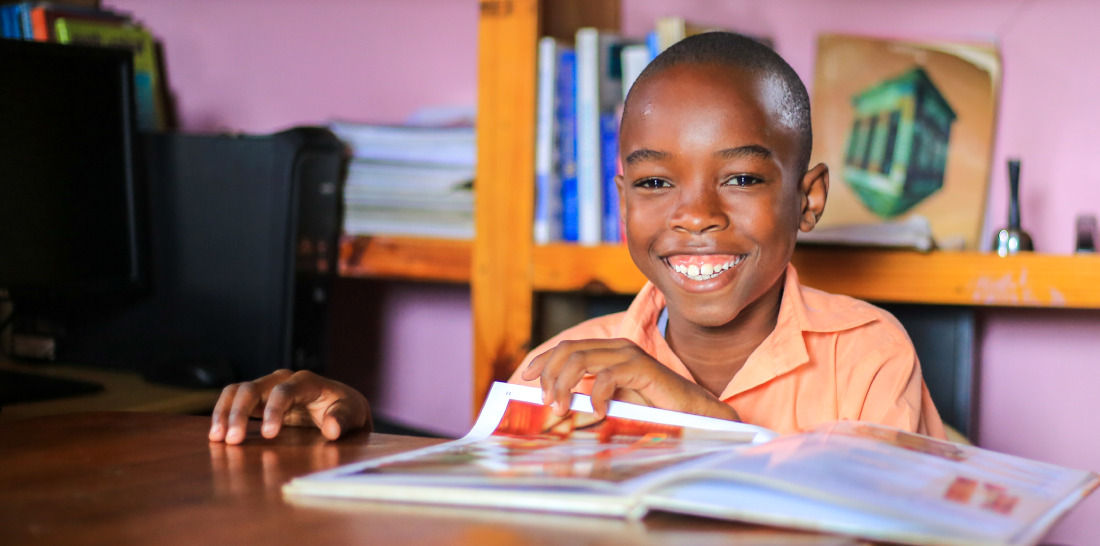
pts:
[848, 477]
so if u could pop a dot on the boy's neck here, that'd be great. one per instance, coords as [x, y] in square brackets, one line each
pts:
[715, 355]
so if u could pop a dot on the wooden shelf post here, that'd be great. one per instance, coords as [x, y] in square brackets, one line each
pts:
[500, 283]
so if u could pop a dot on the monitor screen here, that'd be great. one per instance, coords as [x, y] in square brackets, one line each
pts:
[71, 210]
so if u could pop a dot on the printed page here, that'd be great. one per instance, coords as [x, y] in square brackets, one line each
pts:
[881, 482]
[517, 439]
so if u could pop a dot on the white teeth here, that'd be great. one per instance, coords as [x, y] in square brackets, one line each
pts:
[706, 271]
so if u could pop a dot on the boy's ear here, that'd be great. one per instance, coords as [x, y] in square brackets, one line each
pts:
[814, 191]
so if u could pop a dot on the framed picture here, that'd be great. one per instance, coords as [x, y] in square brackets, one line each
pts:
[907, 131]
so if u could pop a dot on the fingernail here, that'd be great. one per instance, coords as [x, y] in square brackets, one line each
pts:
[215, 430]
[269, 428]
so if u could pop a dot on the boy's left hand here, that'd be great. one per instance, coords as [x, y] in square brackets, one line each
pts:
[622, 371]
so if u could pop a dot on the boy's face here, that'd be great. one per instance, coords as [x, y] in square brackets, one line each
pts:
[712, 194]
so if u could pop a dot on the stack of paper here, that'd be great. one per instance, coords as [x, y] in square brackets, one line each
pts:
[409, 180]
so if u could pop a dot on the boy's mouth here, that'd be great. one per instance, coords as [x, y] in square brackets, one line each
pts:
[703, 267]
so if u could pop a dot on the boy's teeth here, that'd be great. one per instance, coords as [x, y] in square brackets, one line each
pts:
[705, 271]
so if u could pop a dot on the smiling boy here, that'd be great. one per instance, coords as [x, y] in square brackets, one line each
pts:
[715, 144]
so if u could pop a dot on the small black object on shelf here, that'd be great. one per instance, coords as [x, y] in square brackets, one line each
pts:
[1013, 239]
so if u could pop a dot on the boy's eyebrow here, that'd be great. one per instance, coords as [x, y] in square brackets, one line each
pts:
[645, 154]
[751, 150]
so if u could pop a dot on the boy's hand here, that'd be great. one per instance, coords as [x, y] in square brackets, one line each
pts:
[292, 398]
[624, 372]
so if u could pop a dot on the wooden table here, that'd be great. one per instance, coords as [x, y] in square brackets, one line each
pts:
[146, 478]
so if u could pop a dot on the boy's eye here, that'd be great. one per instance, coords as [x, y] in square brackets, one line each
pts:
[743, 180]
[652, 183]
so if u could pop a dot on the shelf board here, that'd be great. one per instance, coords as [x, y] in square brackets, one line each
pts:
[949, 278]
[406, 258]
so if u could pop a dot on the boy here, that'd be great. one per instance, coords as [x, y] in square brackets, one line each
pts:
[715, 144]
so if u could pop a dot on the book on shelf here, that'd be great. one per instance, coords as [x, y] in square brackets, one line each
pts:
[634, 58]
[418, 144]
[850, 478]
[408, 180]
[914, 233]
[408, 222]
[609, 169]
[567, 144]
[151, 112]
[548, 211]
[44, 16]
[599, 93]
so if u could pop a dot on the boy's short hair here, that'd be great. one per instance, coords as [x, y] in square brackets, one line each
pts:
[731, 49]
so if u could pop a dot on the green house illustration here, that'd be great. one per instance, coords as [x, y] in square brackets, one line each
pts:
[897, 150]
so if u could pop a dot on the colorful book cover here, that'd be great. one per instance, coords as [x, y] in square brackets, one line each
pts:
[547, 174]
[146, 68]
[599, 92]
[906, 129]
[609, 158]
[589, 186]
[9, 17]
[44, 15]
[567, 145]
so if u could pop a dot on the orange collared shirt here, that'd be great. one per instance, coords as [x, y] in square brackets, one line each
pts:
[829, 358]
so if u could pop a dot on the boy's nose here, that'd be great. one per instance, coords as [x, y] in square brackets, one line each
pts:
[699, 211]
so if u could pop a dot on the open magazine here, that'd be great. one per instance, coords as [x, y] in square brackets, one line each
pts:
[847, 477]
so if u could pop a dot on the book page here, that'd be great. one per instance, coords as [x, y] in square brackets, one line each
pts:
[887, 479]
[519, 441]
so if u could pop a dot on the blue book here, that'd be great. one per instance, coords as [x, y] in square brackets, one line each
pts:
[609, 158]
[25, 25]
[653, 43]
[9, 18]
[567, 145]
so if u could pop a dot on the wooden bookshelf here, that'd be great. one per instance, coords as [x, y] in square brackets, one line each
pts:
[406, 258]
[896, 276]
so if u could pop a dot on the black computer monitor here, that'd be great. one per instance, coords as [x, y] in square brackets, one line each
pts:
[72, 212]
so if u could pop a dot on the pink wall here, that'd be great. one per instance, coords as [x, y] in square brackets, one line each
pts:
[256, 65]
[1040, 371]
[259, 66]
[263, 65]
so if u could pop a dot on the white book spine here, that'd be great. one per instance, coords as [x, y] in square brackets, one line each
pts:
[547, 188]
[589, 179]
[634, 59]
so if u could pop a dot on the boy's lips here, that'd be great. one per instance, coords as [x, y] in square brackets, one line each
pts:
[703, 267]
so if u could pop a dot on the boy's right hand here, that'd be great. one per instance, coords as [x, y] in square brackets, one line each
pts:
[292, 398]
[623, 371]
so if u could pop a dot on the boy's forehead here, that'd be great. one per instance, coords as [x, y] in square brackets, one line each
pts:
[703, 91]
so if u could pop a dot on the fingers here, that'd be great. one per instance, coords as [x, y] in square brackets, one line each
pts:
[220, 416]
[288, 398]
[237, 403]
[619, 368]
[299, 390]
[246, 402]
[561, 369]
